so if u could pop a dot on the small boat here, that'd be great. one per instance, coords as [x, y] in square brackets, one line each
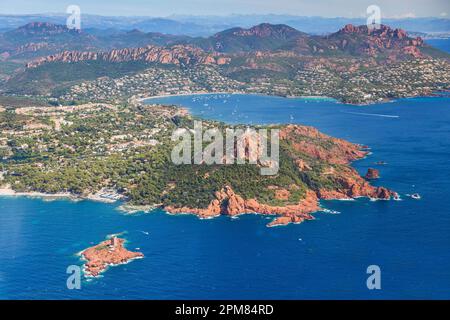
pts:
[416, 196]
[382, 163]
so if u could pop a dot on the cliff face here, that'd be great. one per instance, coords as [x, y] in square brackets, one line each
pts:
[362, 40]
[335, 151]
[352, 185]
[178, 55]
[227, 202]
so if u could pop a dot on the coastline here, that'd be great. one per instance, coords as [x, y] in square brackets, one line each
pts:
[185, 94]
[278, 219]
[312, 98]
[317, 98]
[134, 209]
[7, 191]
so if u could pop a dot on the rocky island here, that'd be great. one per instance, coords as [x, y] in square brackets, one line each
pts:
[107, 253]
[372, 174]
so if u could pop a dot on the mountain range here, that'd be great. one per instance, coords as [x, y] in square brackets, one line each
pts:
[59, 43]
[44, 58]
[209, 25]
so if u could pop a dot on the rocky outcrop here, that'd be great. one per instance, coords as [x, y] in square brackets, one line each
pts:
[318, 148]
[32, 47]
[351, 185]
[361, 39]
[305, 139]
[372, 174]
[177, 55]
[107, 253]
[227, 202]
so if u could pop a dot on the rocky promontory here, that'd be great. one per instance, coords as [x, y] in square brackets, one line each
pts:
[322, 162]
[311, 166]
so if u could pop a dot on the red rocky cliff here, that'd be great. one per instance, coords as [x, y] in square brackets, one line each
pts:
[227, 202]
[178, 55]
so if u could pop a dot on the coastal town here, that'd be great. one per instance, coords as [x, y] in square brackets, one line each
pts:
[358, 85]
[154, 82]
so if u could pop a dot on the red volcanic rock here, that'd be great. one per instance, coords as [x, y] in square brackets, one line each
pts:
[351, 185]
[349, 28]
[372, 174]
[109, 252]
[347, 183]
[400, 33]
[227, 202]
[282, 194]
[177, 54]
[339, 151]
[413, 51]
[377, 39]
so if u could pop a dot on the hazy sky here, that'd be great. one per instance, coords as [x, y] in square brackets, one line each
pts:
[327, 8]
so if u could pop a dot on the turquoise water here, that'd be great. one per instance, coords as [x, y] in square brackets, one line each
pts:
[188, 258]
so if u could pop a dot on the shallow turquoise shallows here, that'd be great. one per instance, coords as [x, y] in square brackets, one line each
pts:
[239, 258]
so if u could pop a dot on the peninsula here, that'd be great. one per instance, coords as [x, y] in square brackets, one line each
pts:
[122, 152]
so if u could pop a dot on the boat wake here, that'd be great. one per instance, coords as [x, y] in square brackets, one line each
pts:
[372, 114]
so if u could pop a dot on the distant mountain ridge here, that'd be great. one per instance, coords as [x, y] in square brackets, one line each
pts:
[42, 28]
[263, 37]
[349, 41]
[196, 26]
[37, 39]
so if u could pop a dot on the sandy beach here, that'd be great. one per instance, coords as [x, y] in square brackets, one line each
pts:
[185, 94]
[231, 93]
[7, 191]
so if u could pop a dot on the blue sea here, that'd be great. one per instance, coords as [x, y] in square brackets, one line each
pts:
[224, 258]
[442, 44]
